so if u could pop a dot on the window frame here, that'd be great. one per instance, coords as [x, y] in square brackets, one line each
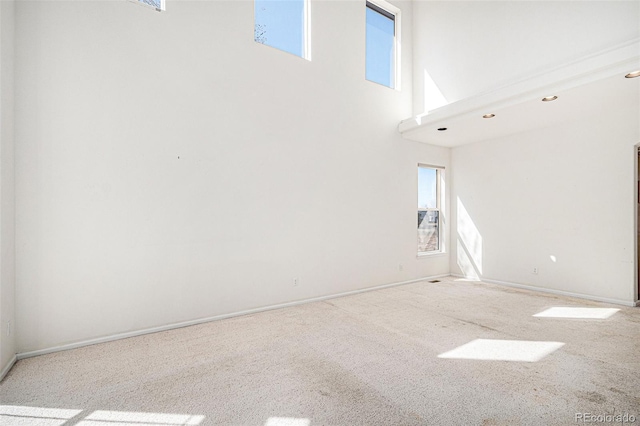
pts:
[162, 7]
[306, 31]
[387, 9]
[440, 207]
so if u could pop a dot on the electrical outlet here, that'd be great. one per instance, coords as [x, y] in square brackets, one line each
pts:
[8, 328]
[535, 271]
[401, 267]
[296, 281]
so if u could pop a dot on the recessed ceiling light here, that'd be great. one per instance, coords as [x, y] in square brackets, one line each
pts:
[549, 98]
[633, 74]
[442, 129]
[488, 116]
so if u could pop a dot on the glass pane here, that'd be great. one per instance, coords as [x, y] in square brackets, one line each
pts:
[427, 184]
[380, 61]
[428, 231]
[155, 3]
[280, 24]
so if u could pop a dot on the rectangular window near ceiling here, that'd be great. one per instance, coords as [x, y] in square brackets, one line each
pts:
[156, 4]
[381, 40]
[429, 209]
[282, 24]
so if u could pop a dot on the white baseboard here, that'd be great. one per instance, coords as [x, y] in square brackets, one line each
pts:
[552, 291]
[126, 335]
[8, 367]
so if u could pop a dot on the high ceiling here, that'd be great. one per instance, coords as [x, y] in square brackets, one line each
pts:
[472, 58]
[587, 100]
[471, 47]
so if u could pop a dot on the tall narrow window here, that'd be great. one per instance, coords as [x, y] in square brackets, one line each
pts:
[282, 24]
[429, 217]
[381, 45]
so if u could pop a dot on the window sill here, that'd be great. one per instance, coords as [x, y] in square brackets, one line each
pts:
[431, 254]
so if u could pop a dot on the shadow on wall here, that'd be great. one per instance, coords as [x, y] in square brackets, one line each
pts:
[469, 244]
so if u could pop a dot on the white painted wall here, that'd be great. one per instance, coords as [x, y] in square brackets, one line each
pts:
[464, 48]
[169, 168]
[7, 198]
[564, 192]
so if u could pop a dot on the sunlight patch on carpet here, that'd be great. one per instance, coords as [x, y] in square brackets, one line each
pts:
[287, 421]
[41, 416]
[503, 350]
[579, 313]
[35, 416]
[111, 418]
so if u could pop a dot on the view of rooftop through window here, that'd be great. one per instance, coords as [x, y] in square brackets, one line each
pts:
[280, 24]
[428, 210]
[380, 48]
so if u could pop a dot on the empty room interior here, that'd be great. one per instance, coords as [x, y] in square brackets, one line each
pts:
[319, 212]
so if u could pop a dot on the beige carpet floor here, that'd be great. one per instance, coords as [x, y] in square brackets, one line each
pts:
[447, 353]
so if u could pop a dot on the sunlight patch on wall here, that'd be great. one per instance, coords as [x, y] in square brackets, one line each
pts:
[470, 240]
[464, 263]
[578, 313]
[503, 350]
[433, 97]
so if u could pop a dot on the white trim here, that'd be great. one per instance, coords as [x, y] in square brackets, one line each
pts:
[430, 166]
[398, 50]
[307, 30]
[8, 367]
[426, 254]
[119, 336]
[552, 291]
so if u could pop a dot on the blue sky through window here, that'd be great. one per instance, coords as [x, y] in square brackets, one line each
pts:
[280, 24]
[154, 3]
[380, 61]
[427, 188]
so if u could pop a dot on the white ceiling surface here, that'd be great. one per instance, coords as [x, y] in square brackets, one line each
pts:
[468, 48]
[502, 57]
[584, 88]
